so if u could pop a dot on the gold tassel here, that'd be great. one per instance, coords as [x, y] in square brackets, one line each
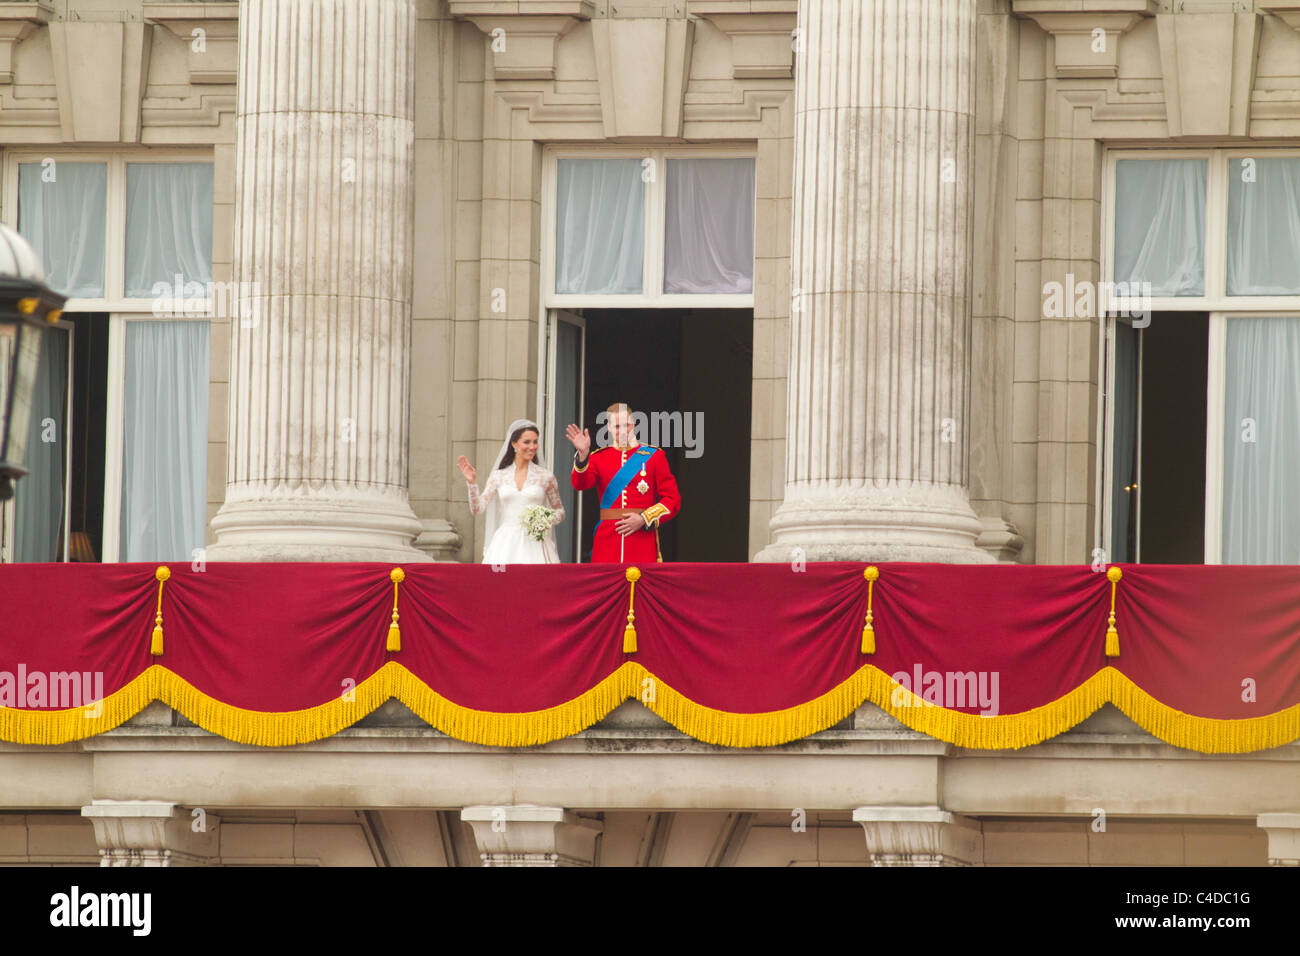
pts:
[1112, 635]
[629, 633]
[397, 576]
[156, 644]
[868, 632]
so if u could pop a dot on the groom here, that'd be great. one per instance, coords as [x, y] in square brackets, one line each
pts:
[637, 491]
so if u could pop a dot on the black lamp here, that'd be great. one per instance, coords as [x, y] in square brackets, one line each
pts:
[27, 305]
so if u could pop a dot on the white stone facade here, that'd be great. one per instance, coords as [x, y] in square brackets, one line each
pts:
[417, 295]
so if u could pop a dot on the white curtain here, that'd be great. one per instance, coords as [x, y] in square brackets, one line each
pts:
[709, 232]
[1264, 227]
[61, 212]
[38, 497]
[168, 226]
[164, 460]
[599, 226]
[1261, 442]
[1124, 395]
[1160, 224]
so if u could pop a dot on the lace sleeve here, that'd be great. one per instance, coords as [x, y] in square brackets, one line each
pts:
[554, 500]
[478, 503]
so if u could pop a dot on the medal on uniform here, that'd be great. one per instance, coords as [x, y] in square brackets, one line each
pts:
[642, 487]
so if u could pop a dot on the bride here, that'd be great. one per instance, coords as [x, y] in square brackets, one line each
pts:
[518, 482]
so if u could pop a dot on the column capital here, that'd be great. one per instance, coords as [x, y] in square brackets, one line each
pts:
[920, 836]
[152, 833]
[532, 836]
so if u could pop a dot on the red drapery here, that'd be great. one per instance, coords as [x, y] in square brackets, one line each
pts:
[743, 654]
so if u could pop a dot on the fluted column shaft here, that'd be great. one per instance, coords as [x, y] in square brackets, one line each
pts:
[319, 378]
[877, 456]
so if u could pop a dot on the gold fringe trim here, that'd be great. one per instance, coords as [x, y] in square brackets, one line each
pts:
[1207, 735]
[524, 729]
[631, 680]
[52, 727]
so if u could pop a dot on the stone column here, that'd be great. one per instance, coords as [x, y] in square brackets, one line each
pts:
[920, 836]
[320, 346]
[877, 456]
[532, 836]
[152, 833]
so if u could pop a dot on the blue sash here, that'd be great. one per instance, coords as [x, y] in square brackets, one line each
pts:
[631, 468]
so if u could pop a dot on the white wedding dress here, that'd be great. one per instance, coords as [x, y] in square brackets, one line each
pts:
[509, 542]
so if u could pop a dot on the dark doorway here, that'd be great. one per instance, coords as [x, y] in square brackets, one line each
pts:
[1170, 360]
[698, 364]
[89, 426]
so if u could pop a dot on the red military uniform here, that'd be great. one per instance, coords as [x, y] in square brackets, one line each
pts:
[652, 491]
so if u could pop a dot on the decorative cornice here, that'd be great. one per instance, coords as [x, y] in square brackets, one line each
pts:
[761, 34]
[1086, 32]
[210, 32]
[523, 33]
[17, 22]
[152, 833]
[1288, 11]
[920, 836]
[532, 836]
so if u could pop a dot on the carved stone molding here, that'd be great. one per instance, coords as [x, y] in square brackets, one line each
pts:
[211, 35]
[920, 836]
[438, 539]
[1000, 538]
[1283, 837]
[523, 33]
[532, 836]
[152, 833]
[762, 39]
[1218, 98]
[1288, 11]
[17, 22]
[1086, 32]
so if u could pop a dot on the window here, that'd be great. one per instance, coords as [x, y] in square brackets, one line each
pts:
[164, 461]
[63, 214]
[1203, 404]
[35, 529]
[117, 231]
[630, 229]
[123, 235]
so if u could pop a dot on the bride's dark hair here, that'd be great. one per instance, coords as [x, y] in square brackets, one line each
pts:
[508, 458]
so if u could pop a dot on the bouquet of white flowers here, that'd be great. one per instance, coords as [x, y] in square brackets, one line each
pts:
[536, 520]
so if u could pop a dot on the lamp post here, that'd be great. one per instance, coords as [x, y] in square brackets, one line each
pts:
[27, 306]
